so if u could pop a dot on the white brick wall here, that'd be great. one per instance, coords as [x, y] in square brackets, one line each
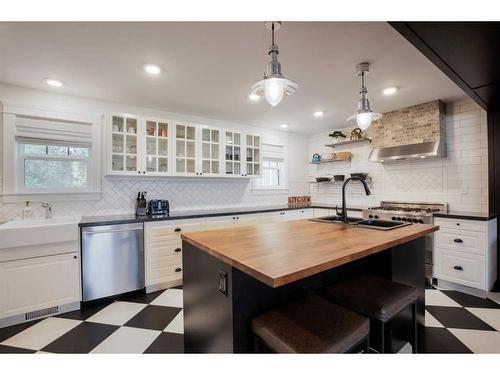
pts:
[461, 180]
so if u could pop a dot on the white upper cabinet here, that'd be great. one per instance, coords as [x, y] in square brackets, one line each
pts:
[156, 138]
[242, 154]
[147, 146]
[211, 151]
[186, 150]
[125, 145]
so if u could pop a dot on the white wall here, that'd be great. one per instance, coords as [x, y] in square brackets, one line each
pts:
[461, 180]
[118, 194]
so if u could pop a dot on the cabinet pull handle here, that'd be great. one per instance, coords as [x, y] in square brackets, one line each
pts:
[178, 269]
[177, 229]
[458, 240]
[178, 250]
[458, 268]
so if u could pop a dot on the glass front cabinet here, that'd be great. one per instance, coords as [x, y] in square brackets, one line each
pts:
[145, 146]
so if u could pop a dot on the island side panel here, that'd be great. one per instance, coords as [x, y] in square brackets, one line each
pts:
[208, 316]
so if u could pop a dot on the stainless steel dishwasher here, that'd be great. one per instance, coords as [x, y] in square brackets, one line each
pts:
[112, 260]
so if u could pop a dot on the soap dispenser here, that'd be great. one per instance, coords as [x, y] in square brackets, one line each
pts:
[27, 212]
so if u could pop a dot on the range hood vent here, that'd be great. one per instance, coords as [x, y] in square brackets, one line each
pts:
[417, 132]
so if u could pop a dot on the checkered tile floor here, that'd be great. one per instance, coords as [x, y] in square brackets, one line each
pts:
[460, 323]
[153, 323]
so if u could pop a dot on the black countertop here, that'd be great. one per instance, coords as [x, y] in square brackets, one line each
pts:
[478, 216]
[125, 219]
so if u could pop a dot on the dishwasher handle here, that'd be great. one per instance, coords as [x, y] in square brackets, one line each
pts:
[112, 228]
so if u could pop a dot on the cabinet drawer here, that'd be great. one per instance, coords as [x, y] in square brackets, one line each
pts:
[157, 251]
[460, 224]
[163, 272]
[461, 268]
[164, 231]
[462, 241]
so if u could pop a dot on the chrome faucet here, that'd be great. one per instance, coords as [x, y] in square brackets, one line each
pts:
[48, 210]
[343, 214]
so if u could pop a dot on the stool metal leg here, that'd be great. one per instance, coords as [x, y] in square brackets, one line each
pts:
[367, 345]
[414, 328]
[382, 337]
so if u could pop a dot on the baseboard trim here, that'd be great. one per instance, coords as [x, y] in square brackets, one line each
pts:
[21, 318]
[164, 285]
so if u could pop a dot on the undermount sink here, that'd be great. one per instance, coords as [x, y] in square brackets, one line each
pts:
[336, 219]
[38, 231]
[372, 224]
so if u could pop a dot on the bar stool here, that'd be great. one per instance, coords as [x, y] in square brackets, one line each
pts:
[378, 299]
[311, 325]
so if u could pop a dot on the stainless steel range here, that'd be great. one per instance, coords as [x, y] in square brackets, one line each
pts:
[410, 212]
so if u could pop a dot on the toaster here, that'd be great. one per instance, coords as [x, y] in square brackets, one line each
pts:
[158, 207]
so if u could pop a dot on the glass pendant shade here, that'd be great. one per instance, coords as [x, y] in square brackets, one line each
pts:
[364, 120]
[274, 89]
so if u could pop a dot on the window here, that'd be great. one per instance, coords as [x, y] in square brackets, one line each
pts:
[273, 175]
[53, 167]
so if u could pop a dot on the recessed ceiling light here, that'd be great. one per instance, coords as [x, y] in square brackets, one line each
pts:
[318, 114]
[254, 97]
[53, 82]
[152, 69]
[390, 90]
[284, 126]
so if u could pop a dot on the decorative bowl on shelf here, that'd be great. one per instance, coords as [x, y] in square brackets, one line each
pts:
[343, 155]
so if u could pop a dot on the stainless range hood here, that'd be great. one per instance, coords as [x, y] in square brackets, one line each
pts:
[417, 132]
[425, 150]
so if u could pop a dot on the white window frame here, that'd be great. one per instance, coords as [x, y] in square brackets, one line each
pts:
[13, 172]
[283, 186]
[22, 157]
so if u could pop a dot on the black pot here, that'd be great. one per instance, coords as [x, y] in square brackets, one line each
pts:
[323, 179]
[339, 177]
[360, 175]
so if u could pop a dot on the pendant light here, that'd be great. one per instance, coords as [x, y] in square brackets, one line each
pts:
[274, 86]
[364, 115]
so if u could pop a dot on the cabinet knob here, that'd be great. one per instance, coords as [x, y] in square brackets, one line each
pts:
[178, 269]
[458, 240]
[177, 229]
[178, 250]
[458, 268]
[74, 257]
[458, 223]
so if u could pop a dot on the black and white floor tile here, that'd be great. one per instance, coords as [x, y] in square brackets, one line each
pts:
[153, 323]
[456, 322]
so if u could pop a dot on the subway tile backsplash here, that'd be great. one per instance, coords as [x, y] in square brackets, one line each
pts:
[460, 179]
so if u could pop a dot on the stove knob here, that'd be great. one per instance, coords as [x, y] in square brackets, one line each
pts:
[393, 218]
[398, 219]
[370, 216]
[420, 221]
[415, 220]
[403, 219]
[376, 216]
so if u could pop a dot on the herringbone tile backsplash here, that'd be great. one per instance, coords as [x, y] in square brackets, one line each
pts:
[118, 197]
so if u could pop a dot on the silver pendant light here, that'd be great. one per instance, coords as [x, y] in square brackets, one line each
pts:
[274, 86]
[364, 115]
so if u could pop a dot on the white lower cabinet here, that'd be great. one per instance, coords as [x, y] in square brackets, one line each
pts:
[163, 251]
[33, 284]
[300, 214]
[465, 252]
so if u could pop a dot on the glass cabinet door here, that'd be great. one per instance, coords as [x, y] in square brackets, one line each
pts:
[185, 148]
[232, 153]
[253, 155]
[124, 147]
[156, 134]
[210, 151]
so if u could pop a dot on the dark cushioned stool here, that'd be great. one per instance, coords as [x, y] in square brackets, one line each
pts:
[378, 299]
[311, 325]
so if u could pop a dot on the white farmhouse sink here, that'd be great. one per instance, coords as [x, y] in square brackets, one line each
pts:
[31, 232]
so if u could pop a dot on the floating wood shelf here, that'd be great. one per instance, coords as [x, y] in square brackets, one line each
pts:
[333, 145]
[329, 161]
[368, 180]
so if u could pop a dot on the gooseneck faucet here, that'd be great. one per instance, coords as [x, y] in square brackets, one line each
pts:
[343, 215]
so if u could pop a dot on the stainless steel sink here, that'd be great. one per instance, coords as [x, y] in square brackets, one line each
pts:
[335, 219]
[372, 224]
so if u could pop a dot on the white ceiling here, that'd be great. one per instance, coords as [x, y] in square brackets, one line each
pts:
[209, 68]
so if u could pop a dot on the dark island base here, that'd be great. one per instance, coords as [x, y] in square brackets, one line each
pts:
[218, 321]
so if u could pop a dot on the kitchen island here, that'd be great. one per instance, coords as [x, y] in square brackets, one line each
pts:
[232, 275]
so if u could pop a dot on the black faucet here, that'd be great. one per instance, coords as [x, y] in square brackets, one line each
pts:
[343, 214]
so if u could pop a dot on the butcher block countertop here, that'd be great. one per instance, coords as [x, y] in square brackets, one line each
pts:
[280, 253]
